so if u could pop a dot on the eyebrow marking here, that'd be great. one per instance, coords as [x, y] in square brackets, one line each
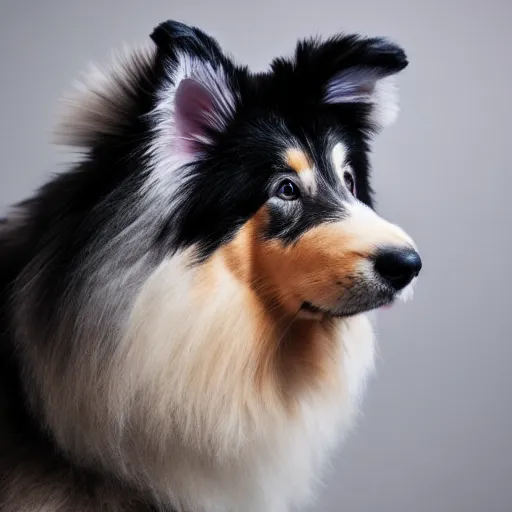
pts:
[341, 165]
[298, 160]
[339, 158]
[301, 163]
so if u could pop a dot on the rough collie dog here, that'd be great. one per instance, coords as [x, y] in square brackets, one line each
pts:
[184, 313]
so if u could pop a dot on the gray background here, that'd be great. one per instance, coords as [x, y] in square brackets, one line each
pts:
[435, 434]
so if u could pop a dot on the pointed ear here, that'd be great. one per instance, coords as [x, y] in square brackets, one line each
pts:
[357, 70]
[204, 103]
[369, 79]
[171, 36]
[199, 98]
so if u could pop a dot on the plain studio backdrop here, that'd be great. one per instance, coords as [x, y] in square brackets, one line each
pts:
[435, 433]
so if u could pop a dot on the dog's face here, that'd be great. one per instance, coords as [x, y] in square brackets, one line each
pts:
[313, 247]
[281, 172]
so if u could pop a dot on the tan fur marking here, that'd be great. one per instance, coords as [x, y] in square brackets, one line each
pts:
[319, 268]
[298, 160]
[298, 353]
[315, 269]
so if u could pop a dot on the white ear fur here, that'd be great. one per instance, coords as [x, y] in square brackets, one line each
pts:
[363, 85]
[198, 100]
[385, 102]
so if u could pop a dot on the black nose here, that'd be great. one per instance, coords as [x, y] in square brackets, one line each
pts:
[398, 266]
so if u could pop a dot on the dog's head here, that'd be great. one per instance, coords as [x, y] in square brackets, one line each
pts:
[270, 168]
[280, 171]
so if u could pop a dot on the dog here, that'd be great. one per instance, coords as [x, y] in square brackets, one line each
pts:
[185, 311]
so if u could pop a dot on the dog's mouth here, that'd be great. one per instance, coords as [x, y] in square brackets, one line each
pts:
[359, 299]
[312, 310]
[308, 307]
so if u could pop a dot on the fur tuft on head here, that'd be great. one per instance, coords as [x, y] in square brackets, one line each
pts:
[103, 104]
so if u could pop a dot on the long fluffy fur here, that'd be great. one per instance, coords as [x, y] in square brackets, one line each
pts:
[148, 360]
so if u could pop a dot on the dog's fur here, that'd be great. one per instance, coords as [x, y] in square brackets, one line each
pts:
[184, 312]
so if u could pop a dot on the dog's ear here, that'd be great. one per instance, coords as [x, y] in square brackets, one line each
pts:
[173, 36]
[368, 77]
[349, 69]
[199, 97]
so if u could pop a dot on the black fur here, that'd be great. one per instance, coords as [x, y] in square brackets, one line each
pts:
[292, 90]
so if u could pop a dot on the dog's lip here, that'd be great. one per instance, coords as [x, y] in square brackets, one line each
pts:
[308, 306]
[313, 309]
[317, 311]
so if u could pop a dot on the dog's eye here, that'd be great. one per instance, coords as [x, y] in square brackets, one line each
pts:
[288, 190]
[349, 182]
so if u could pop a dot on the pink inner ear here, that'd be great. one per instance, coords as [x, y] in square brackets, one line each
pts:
[194, 107]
